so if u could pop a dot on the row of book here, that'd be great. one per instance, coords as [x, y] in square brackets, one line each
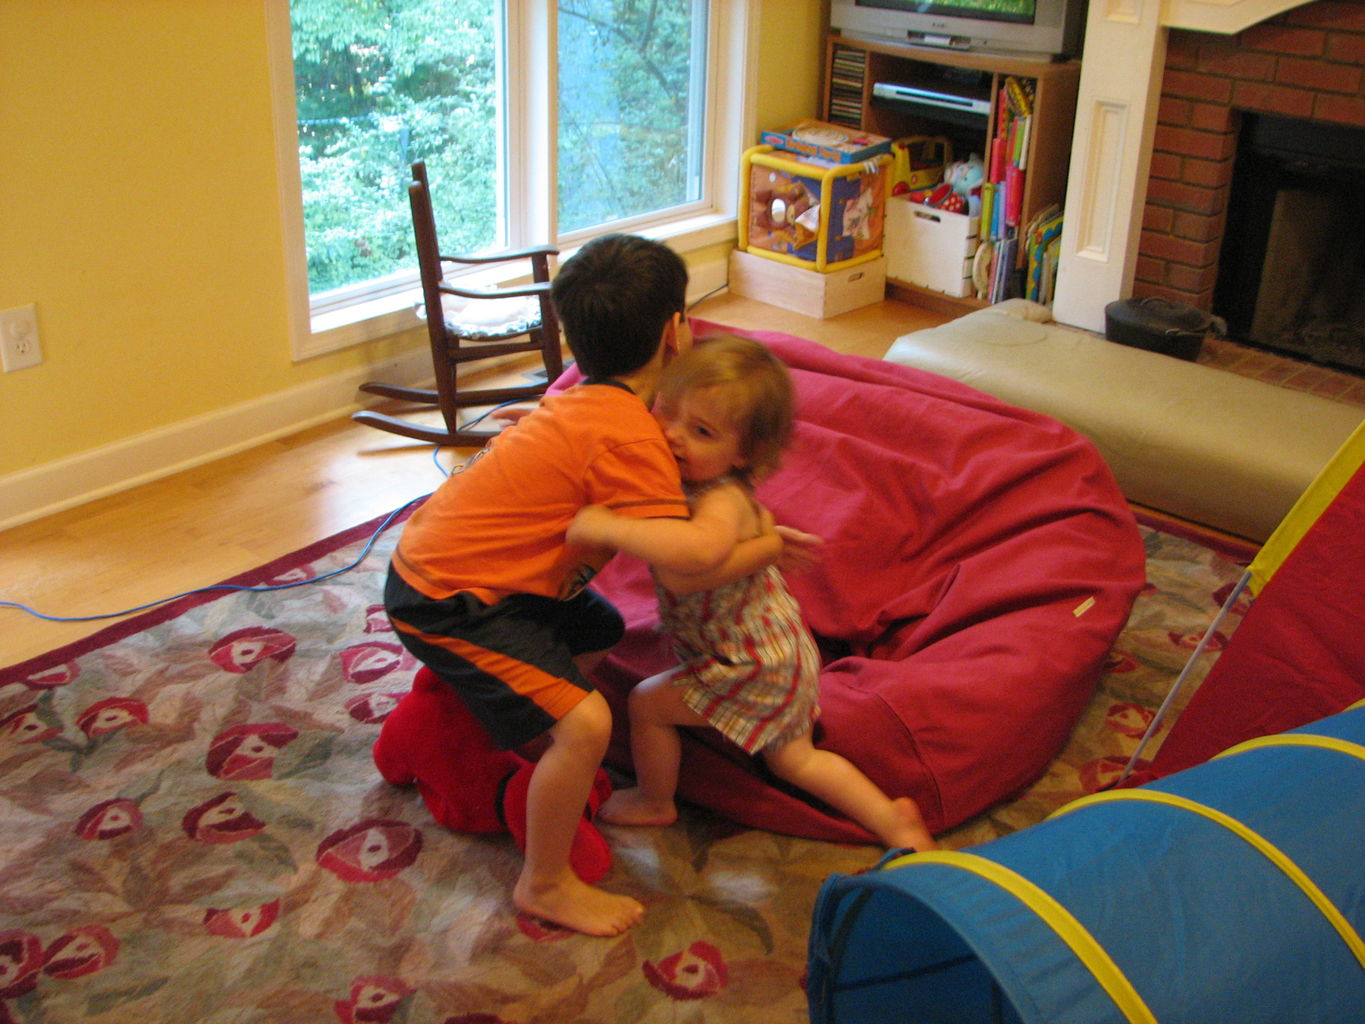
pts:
[1042, 245]
[1039, 243]
[1002, 193]
[1005, 245]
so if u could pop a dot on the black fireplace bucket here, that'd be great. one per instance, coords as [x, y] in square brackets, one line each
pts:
[1159, 325]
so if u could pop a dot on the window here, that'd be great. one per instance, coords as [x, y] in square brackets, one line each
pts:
[537, 120]
[631, 108]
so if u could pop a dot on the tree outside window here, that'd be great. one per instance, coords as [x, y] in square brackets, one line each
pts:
[630, 108]
[382, 83]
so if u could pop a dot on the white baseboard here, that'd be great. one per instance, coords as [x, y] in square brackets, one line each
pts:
[55, 486]
[30, 494]
[705, 278]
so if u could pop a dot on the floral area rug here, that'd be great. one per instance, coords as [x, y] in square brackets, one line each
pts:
[194, 830]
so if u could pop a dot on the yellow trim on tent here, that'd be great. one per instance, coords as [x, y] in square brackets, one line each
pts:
[1296, 739]
[1091, 954]
[1262, 845]
[1311, 504]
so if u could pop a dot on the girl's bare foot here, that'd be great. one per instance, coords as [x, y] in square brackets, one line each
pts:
[572, 903]
[629, 807]
[908, 830]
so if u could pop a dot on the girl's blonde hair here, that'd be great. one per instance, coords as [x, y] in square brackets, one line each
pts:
[757, 389]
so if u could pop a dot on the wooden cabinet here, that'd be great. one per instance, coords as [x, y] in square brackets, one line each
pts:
[854, 67]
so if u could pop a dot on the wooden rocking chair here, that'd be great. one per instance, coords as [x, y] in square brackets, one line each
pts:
[490, 323]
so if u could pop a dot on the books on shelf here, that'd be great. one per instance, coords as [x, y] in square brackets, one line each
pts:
[1042, 242]
[1002, 194]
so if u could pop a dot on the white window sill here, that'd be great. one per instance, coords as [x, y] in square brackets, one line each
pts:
[341, 326]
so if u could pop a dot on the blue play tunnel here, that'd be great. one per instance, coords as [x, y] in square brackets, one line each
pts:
[1230, 892]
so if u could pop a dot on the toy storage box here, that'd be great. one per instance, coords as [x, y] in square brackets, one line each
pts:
[807, 291]
[929, 247]
[829, 143]
[810, 214]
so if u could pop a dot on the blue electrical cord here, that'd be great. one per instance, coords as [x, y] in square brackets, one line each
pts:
[263, 589]
[232, 587]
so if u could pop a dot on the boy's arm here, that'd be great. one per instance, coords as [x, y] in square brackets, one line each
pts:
[695, 545]
[746, 558]
[793, 550]
[800, 550]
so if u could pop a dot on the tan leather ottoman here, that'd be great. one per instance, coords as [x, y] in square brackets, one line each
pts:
[1198, 442]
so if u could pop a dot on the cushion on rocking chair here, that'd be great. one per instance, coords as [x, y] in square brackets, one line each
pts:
[489, 319]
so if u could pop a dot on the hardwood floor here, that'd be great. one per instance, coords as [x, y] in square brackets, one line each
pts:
[212, 522]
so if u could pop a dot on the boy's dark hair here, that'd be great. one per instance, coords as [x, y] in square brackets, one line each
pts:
[614, 297]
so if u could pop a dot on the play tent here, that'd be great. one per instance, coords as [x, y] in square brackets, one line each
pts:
[1230, 891]
[1299, 653]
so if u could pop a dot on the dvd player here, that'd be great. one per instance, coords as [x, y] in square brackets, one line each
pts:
[915, 96]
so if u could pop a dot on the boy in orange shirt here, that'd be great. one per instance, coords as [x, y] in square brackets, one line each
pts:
[487, 591]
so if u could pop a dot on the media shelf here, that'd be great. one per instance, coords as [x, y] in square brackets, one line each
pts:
[958, 95]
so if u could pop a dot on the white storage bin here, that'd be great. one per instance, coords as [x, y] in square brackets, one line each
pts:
[930, 248]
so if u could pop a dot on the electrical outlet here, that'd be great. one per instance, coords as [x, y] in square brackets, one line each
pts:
[19, 347]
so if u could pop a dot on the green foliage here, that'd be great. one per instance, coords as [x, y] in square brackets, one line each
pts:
[382, 83]
[625, 108]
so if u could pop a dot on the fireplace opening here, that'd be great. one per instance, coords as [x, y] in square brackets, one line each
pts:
[1292, 263]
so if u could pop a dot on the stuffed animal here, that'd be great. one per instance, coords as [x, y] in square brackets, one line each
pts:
[966, 176]
[467, 783]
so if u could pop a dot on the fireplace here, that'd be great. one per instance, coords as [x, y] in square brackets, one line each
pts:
[1167, 87]
[1253, 208]
[1291, 267]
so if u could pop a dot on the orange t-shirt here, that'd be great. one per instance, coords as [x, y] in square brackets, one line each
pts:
[497, 527]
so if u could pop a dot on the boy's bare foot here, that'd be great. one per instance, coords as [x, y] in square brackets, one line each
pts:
[629, 807]
[572, 903]
[909, 831]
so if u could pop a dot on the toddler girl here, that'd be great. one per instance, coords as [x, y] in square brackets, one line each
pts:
[749, 667]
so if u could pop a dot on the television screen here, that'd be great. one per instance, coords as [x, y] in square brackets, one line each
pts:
[992, 10]
[1031, 29]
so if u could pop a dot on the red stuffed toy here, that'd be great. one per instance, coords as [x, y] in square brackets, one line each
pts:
[467, 783]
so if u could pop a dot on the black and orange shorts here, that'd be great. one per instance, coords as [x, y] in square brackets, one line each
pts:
[511, 662]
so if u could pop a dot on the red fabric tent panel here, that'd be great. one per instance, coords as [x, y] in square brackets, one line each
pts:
[1299, 654]
[979, 562]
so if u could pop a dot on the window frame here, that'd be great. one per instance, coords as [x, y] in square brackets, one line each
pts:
[345, 317]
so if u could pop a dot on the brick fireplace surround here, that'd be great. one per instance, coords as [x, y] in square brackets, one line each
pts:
[1164, 84]
[1306, 63]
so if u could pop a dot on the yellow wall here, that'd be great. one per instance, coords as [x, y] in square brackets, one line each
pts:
[140, 211]
[791, 51]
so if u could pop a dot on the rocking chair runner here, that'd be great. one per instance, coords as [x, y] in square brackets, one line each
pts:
[492, 322]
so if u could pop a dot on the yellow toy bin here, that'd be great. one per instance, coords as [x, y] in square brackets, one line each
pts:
[918, 161]
[810, 214]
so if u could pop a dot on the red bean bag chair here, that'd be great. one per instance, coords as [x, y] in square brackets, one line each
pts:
[978, 563]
